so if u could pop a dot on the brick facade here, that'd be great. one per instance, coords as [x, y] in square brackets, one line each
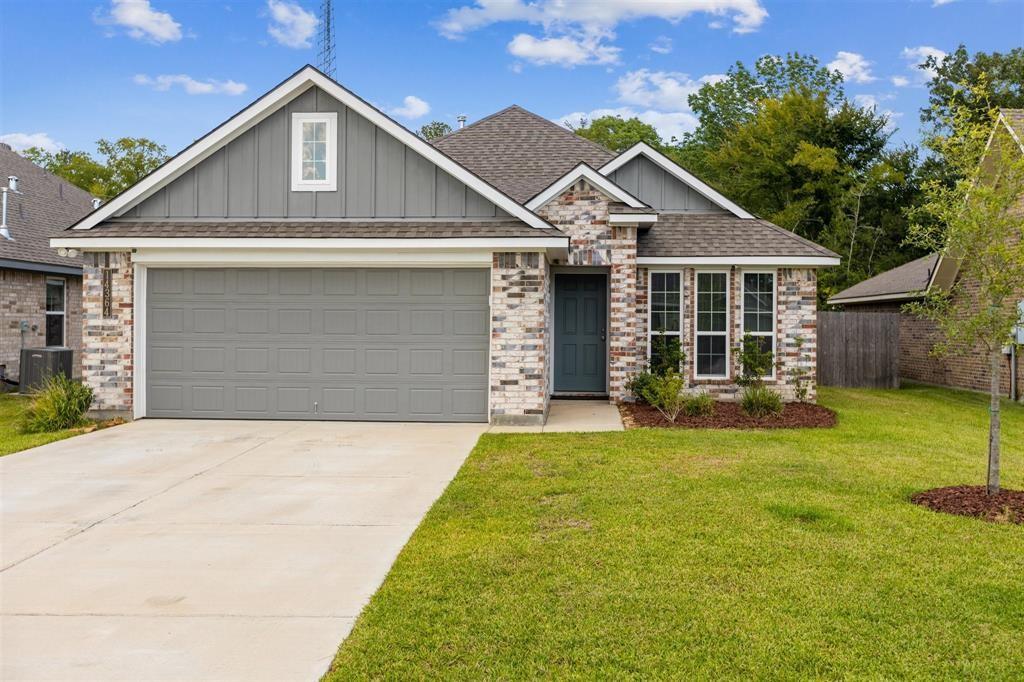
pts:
[23, 298]
[107, 349]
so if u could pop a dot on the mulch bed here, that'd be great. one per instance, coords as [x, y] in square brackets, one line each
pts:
[1007, 506]
[731, 416]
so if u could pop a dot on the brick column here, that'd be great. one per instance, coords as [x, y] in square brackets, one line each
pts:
[797, 316]
[520, 350]
[107, 324]
[624, 329]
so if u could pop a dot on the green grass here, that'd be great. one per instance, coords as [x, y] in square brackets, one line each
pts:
[11, 439]
[709, 554]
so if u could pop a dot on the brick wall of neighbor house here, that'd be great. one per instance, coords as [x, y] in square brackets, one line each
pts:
[23, 297]
[582, 212]
[796, 317]
[520, 349]
[107, 357]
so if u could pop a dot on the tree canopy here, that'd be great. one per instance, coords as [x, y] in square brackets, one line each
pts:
[124, 162]
[434, 130]
[616, 133]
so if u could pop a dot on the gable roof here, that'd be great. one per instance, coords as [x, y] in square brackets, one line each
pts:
[44, 206]
[1013, 119]
[520, 152]
[586, 172]
[305, 78]
[910, 280]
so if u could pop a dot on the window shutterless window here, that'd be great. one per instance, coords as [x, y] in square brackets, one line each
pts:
[664, 328]
[55, 309]
[712, 312]
[759, 310]
[314, 152]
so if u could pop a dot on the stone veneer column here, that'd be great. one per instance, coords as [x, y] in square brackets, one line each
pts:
[624, 330]
[520, 350]
[107, 350]
[797, 317]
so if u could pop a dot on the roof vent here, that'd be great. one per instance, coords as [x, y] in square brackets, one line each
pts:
[12, 186]
[461, 118]
[12, 183]
[96, 201]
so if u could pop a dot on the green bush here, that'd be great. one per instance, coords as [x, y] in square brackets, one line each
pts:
[61, 404]
[641, 385]
[666, 395]
[755, 362]
[700, 405]
[667, 354]
[761, 401]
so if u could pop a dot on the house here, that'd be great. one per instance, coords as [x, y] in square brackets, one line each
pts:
[40, 291]
[890, 291]
[310, 258]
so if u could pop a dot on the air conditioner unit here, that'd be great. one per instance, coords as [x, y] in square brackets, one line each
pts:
[39, 364]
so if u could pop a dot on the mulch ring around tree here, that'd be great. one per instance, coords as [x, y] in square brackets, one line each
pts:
[729, 415]
[1006, 506]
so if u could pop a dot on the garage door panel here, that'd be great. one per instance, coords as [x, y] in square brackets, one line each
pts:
[388, 344]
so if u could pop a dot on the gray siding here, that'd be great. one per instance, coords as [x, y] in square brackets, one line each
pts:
[648, 182]
[378, 177]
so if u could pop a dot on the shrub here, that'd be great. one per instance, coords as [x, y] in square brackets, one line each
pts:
[755, 362]
[641, 385]
[61, 404]
[700, 405]
[800, 373]
[666, 395]
[667, 354]
[761, 401]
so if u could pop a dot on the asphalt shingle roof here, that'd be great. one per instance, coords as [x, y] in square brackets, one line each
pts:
[46, 205]
[520, 152]
[909, 278]
[684, 235]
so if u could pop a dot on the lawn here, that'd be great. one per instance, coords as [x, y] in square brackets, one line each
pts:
[11, 439]
[736, 554]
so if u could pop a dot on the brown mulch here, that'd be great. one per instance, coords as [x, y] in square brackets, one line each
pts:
[731, 416]
[1007, 506]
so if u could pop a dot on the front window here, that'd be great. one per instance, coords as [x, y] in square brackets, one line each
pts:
[314, 144]
[664, 320]
[55, 312]
[759, 309]
[712, 324]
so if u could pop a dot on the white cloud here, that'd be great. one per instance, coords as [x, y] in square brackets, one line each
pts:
[664, 90]
[940, 3]
[21, 141]
[190, 85]
[290, 24]
[865, 101]
[141, 21]
[412, 107]
[564, 51]
[916, 56]
[661, 45]
[853, 66]
[900, 81]
[669, 124]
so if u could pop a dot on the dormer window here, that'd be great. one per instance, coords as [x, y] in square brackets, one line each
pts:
[314, 152]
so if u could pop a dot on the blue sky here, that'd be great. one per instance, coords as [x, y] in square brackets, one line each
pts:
[74, 71]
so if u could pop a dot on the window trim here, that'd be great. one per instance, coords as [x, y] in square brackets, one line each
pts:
[63, 312]
[728, 322]
[774, 334]
[650, 308]
[330, 184]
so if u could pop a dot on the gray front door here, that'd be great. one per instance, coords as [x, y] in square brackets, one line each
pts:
[376, 344]
[580, 329]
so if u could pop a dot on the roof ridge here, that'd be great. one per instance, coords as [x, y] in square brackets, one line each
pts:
[475, 123]
[565, 130]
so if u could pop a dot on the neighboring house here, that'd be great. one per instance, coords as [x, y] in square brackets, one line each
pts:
[40, 291]
[312, 259]
[890, 291]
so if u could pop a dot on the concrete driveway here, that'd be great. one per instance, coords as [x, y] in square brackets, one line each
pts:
[198, 550]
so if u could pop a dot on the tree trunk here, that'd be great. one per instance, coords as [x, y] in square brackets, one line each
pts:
[996, 364]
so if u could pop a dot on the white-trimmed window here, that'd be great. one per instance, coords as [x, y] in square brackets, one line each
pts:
[711, 358]
[55, 311]
[314, 152]
[664, 319]
[759, 310]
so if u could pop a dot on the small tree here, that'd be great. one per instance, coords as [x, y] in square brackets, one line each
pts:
[434, 130]
[755, 362]
[975, 221]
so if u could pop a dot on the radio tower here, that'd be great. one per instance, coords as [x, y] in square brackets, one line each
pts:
[325, 41]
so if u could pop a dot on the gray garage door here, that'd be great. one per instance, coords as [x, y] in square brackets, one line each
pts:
[367, 344]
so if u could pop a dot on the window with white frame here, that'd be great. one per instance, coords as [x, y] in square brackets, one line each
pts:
[55, 311]
[759, 310]
[664, 316]
[314, 152]
[712, 312]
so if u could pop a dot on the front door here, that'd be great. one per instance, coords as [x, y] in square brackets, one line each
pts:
[580, 332]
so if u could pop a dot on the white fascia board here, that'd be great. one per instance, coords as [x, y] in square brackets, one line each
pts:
[303, 80]
[771, 261]
[677, 171]
[198, 258]
[632, 218]
[287, 244]
[583, 171]
[906, 296]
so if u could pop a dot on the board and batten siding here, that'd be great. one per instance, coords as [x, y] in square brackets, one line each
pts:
[651, 184]
[378, 177]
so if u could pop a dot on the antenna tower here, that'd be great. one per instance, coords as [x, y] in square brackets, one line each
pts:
[325, 41]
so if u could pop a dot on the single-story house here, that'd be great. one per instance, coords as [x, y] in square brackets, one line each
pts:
[890, 291]
[40, 291]
[310, 258]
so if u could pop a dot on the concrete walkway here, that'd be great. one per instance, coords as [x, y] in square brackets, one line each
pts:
[573, 416]
[199, 550]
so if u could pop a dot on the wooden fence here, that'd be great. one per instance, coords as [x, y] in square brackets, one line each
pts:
[859, 349]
